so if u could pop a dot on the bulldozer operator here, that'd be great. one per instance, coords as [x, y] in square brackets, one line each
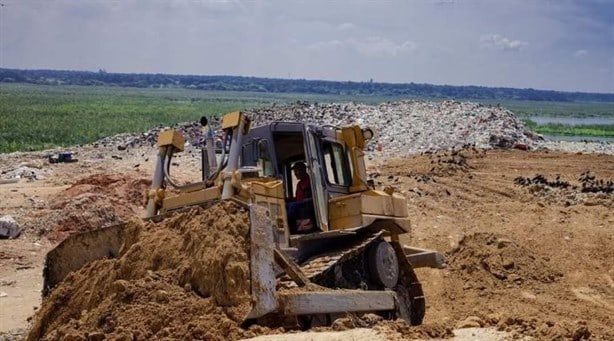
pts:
[300, 209]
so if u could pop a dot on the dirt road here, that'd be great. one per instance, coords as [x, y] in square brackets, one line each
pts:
[528, 259]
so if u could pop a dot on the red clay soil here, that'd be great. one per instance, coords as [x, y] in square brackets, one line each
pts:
[93, 202]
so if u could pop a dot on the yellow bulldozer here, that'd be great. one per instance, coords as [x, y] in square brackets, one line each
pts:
[341, 234]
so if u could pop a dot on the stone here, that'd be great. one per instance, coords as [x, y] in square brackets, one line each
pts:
[162, 296]
[95, 336]
[120, 286]
[503, 242]
[9, 229]
[470, 322]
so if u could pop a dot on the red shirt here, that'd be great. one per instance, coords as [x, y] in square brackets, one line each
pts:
[303, 189]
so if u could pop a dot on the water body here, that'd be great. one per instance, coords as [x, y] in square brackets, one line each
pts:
[573, 121]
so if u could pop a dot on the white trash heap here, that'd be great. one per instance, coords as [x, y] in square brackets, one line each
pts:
[402, 128]
[410, 127]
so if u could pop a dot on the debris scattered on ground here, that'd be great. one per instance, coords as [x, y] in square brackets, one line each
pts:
[589, 190]
[64, 157]
[27, 170]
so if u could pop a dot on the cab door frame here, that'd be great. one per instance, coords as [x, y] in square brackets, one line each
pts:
[317, 176]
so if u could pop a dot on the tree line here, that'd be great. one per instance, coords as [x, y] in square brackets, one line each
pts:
[275, 85]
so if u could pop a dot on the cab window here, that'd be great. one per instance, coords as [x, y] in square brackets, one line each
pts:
[336, 164]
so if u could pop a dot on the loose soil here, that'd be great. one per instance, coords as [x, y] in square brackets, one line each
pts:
[532, 261]
[186, 277]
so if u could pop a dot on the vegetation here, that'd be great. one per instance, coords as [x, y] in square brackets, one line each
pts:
[569, 130]
[269, 85]
[558, 109]
[39, 117]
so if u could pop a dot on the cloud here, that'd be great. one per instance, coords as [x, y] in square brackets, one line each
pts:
[346, 26]
[502, 43]
[370, 47]
[580, 53]
[444, 2]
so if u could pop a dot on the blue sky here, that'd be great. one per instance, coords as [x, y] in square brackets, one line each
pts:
[548, 44]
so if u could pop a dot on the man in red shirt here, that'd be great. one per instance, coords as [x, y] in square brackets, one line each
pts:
[303, 187]
[300, 211]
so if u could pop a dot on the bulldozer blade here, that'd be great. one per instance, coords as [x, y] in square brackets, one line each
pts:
[262, 266]
[79, 249]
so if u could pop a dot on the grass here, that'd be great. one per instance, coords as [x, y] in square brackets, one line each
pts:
[527, 109]
[36, 117]
[569, 130]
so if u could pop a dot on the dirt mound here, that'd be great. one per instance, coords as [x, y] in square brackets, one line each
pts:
[123, 188]
[93, 202]
[486, 260]
[545, 330]
[186, 277]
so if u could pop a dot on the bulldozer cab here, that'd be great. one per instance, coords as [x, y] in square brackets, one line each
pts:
[334, 164]
[276, 150]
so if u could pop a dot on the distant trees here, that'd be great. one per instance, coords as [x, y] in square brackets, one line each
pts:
[232, 83]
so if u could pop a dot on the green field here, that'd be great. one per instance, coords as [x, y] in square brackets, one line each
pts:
[36, 117]
[559, 109]
[593, 130]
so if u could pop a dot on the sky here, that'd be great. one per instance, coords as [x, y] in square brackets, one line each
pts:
[565, 45]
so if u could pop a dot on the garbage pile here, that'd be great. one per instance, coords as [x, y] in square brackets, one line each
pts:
[25, 170]
[402, 128]
[410, 127]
